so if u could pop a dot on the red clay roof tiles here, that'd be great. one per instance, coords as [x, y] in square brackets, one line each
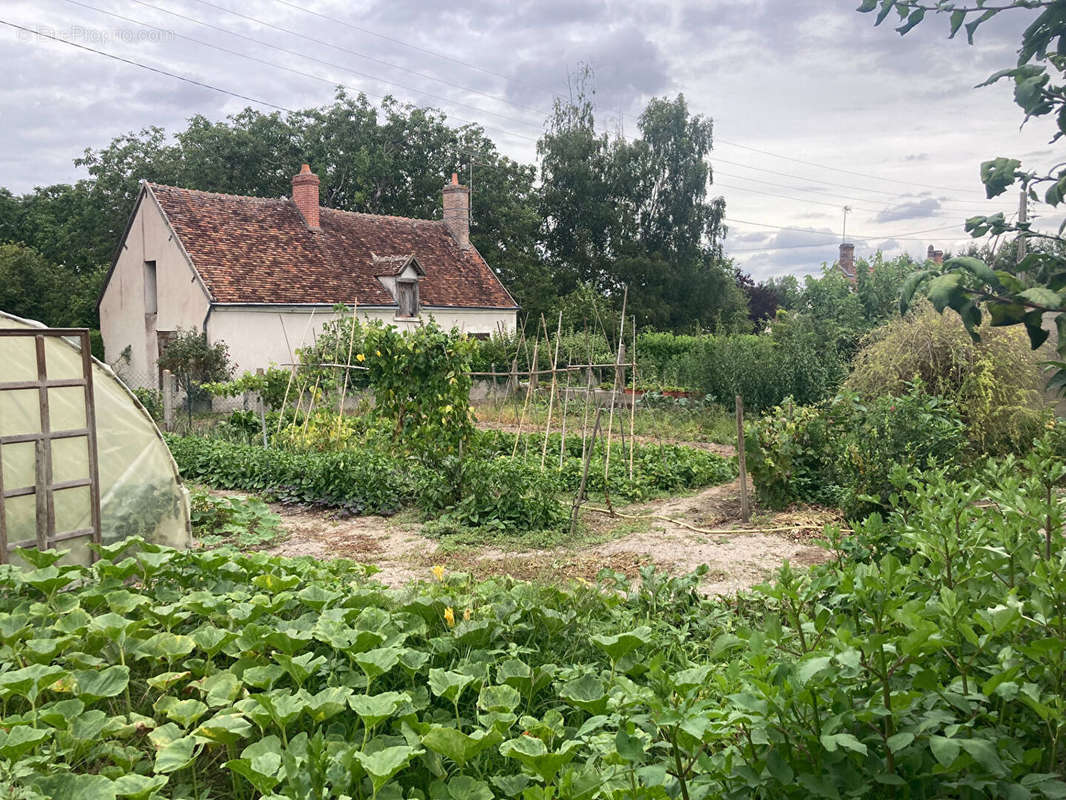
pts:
[259, 250]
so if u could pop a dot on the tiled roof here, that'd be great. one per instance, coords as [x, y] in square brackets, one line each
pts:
[259, 250]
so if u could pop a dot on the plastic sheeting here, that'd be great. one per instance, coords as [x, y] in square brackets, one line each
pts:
[140, 490]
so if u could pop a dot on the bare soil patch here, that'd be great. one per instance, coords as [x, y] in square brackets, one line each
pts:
[737, 560]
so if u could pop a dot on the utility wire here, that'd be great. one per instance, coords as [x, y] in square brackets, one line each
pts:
[323, 43]
[804, 200]
[275, 65]
[401, 42]
[835, 169]
[852, 187]
[148, 67]
[342, 68]
[835, 240]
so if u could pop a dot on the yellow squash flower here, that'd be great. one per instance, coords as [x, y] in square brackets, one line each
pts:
[377, 353]
[449, 617]
[360, 357]
[438, 572]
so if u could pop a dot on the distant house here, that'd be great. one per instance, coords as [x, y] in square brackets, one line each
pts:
[263, 275]
[846, 262]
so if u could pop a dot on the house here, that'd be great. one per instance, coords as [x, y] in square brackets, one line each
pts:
[264, 275]
[846, 262]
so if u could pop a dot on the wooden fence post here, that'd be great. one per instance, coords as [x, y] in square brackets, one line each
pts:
[262, 411]
[745, 509]
[168, 401]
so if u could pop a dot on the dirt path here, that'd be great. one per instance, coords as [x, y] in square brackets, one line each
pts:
[736, 560]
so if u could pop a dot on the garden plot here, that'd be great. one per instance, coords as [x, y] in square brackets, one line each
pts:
[399, 548]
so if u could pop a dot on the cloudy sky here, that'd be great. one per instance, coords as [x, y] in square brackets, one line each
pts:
[814, 108]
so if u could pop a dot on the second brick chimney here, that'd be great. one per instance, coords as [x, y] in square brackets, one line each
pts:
[457, 211]
[305, 195]
[847, 261]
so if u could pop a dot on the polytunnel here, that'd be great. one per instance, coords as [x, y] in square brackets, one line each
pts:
[80, 460]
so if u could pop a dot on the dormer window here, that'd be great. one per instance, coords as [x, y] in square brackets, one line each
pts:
[400, 274]
[407, 298]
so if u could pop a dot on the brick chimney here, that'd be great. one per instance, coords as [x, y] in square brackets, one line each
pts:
[457, 211]
[934, 255]
[305, 195]
[847, 261]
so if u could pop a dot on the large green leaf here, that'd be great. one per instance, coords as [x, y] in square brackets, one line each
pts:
[385, 763]
[175, 755]
[260, 764]
[92, 685]
[586, 692]
[76, 786]
[377, 662]
[328, 703]
[499, 699]
[945, 750]
[225, 728]
[372, 709]
[620, 644]
[139, 787]
[20, 740]
[532, 753]
[455, 744]
[448, 684]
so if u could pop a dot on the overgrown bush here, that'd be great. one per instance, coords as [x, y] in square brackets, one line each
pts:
[995, 382]
[845, 452]
[152, 400]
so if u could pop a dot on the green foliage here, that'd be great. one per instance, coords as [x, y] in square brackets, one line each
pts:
[271, 386]
[1031, 293]
[194, 362]
[850, 453]
[35, 288]
[791, 360]
[421, 383]
[363, 482]
[931, 671]
[241, 522]
[151, 399]
[994, 382]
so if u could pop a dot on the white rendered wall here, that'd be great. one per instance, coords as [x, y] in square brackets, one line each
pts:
[182, 302]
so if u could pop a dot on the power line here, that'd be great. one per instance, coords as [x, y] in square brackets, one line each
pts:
[835, 169]
[323, 43]
[261, 43]
[787, 197]
[148, 67]
[834, 240]
[400, 42]
[893, 195]
[270, 63]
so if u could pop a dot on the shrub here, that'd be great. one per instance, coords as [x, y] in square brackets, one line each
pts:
[846, 452]
[994, 382]
[152, 400]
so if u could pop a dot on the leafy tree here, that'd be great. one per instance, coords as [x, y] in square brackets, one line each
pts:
[1032, 293]
[194, 362]
[763, 298]
[31, 286]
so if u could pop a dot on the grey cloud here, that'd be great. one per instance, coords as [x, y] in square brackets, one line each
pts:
[910, 209]
[916, 157]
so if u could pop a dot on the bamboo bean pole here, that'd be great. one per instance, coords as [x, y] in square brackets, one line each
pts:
[614, 392]
[551, 393]
[292, 374]
[566, 406]
[588, 391]
[633, 401]
[347, 365]
[584, 473]
[525, 405]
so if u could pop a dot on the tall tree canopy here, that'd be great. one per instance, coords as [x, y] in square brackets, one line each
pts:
[606, 213]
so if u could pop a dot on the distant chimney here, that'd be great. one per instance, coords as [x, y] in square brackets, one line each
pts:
[847, 261]
[930, 253]
[938, 256]
[305, 195]
[457, 211]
